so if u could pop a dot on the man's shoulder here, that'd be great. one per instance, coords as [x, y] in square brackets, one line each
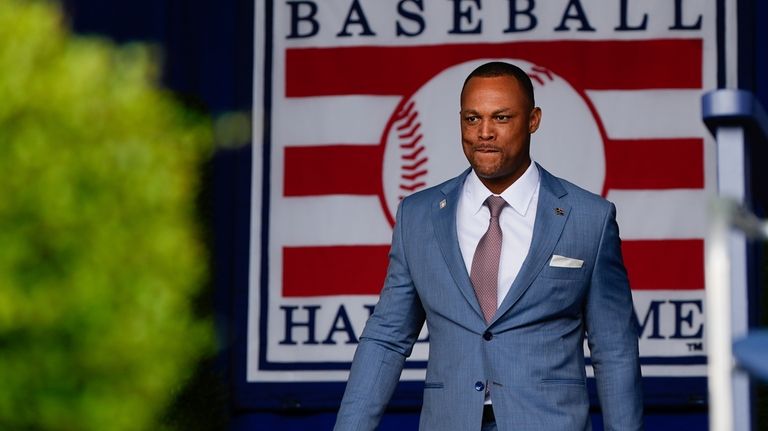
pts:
[575, 194]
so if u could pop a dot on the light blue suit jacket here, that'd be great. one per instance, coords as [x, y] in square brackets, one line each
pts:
[531, 354]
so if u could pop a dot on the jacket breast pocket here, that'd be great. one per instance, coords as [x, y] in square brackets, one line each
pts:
[560, 273]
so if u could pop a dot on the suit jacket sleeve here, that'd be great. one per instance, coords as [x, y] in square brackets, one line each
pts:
[386, 341]
[612, 334]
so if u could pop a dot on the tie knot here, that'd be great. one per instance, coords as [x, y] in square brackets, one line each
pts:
[495, 204]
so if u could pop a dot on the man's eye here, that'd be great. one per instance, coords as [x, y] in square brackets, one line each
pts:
[502, 117]
[471, 119]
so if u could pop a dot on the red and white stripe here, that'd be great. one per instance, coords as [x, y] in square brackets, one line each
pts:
[327, 181]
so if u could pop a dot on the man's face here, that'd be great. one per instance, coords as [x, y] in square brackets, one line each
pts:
[496, 125]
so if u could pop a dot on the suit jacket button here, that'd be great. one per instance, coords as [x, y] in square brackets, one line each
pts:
[487, 336]
[479, 386]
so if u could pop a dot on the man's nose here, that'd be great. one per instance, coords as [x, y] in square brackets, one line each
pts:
[486, 131]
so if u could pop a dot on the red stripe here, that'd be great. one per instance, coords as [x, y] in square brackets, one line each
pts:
[332, 169]
[380, 70]
[654, 164]
[361, 269]
[665, 264]
[632, 164]
[334, 270]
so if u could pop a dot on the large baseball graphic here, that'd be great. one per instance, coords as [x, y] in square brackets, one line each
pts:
[422, 141]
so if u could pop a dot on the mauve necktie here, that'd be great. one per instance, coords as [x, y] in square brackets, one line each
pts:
[485, 264]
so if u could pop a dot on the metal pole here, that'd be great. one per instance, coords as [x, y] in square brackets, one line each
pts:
[718, 312]
[729, 114]
[731, 183]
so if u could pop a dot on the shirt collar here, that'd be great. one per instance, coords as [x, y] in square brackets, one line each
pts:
[518, 195]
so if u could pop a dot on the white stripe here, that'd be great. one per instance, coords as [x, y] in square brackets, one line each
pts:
[641, 114]
[660, 214]
[419, 374]
[332, 120]
[330, 220]
[674, 370]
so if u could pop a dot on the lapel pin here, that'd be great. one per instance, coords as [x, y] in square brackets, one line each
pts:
[443, 203]
[559, 211]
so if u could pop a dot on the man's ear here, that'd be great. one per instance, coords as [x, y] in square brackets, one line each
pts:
[534, 120]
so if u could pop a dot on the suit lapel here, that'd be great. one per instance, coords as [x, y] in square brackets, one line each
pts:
[551, 215]
[444, 223]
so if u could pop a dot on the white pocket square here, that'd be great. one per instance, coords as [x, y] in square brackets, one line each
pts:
[565, 262]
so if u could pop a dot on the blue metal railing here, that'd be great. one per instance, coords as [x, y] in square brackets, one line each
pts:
[737, 120]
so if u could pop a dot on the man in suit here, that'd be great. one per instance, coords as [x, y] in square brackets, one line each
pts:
[508, 288]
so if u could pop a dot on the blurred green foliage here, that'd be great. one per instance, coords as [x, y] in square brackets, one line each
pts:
[100, 250]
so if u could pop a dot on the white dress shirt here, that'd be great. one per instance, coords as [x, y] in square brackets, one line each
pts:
[516, 221]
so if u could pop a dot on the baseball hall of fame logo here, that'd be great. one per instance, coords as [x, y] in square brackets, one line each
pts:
[350, 122]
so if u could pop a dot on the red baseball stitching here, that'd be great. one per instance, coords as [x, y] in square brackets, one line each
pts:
[412, 150]
[536, 74]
